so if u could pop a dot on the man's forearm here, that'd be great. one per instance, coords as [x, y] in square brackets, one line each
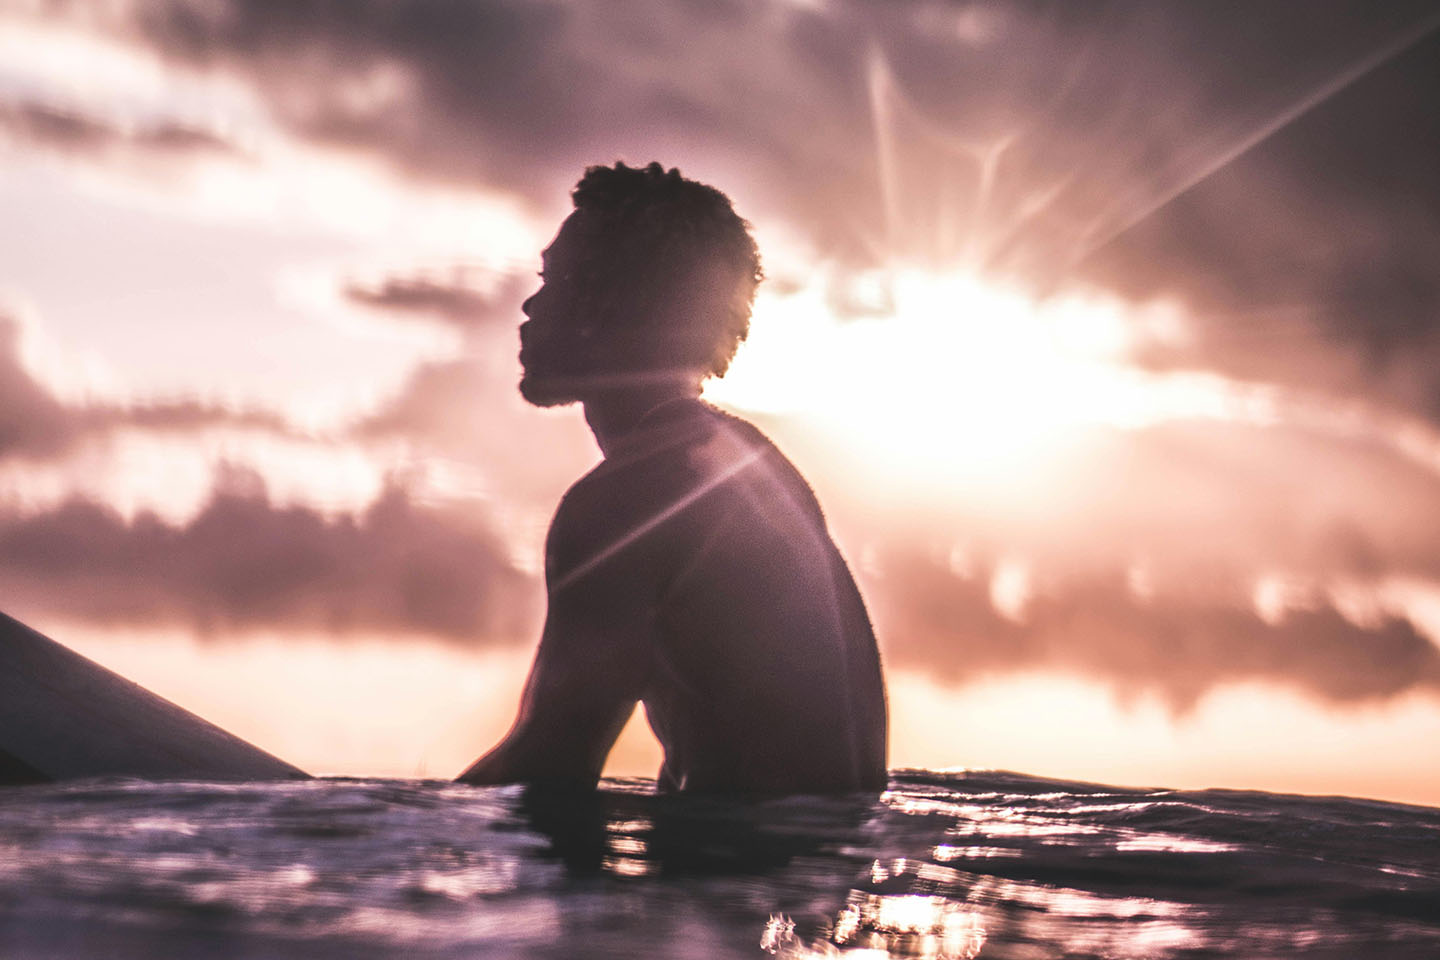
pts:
[491, 768]
[517, 759]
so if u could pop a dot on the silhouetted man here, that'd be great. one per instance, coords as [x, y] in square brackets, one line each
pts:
[692, 569]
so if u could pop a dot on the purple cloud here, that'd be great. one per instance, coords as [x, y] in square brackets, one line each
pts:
[1178, 647]
[244, 562]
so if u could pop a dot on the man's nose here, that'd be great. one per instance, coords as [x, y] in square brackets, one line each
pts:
[529, 301]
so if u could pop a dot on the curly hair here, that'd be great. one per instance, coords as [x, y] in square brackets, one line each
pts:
[669, 265]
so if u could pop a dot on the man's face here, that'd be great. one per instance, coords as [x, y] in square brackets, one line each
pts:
[557, 347]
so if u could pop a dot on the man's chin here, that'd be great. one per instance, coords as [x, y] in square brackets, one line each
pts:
[543, 392]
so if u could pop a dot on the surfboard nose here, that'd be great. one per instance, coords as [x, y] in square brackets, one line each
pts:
[64, 717]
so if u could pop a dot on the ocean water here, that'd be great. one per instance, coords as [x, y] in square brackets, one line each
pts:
[993, 865]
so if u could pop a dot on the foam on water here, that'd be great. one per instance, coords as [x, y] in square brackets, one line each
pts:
[969, 865]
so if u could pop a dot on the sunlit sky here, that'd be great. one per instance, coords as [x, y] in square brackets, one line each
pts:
[1110, 343]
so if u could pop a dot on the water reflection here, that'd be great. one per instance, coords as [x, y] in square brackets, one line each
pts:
[888, 926]
[851, 877]
[635, 834]
[991, 867]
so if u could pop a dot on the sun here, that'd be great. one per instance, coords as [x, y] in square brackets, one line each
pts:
[949, 378]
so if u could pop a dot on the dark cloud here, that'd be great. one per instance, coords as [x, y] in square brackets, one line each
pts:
[1113, 110]
[520, 96]
[1178, 647]
[36, 425]
[1314, 259]
[73, 131]
[452, 297]
[1271, 166]
[245, 562]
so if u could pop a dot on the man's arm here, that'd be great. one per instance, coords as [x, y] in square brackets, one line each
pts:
[573, 709]
[588, 673]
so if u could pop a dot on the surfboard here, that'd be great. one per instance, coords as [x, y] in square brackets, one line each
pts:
[63, 717]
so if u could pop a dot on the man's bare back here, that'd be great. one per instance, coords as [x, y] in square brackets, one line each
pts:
[692, 571]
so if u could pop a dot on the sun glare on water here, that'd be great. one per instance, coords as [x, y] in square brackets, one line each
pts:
[948, 378]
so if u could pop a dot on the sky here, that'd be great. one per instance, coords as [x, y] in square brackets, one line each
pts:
[1108, 335]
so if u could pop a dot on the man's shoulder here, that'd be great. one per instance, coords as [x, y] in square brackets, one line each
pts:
[609, 509]
[618, 484]
[683, 460]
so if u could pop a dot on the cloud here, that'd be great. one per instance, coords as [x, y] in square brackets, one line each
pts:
[1239, 500]
[72, 131]
[37, 425]
[32, 421]
[466, 409]
[1022, 139]
[1144, 560]
[1038, 131]
[453, 297]
[1204, 508]
[1311, 260]
[946, 624]
[467, 413]
[1165, 147]
[520, 96]
[243, 562]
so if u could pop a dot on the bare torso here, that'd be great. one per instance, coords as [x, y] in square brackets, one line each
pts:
[745, 637]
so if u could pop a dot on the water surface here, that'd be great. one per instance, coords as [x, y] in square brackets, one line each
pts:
[993, 865]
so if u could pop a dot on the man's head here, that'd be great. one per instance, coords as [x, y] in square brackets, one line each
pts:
[650, 281]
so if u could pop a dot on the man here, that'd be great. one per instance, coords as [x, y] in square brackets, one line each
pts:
[692, 569]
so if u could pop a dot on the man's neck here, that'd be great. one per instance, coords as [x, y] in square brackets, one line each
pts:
[612, 416]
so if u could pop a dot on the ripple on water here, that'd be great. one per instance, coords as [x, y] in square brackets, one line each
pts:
[939, 866]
